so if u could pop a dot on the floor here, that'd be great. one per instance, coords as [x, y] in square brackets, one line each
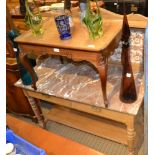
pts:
[100, 144]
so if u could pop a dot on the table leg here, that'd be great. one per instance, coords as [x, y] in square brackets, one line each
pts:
[36, 109]
[131, 135]
[102, 67]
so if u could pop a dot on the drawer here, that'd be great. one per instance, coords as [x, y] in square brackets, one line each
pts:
[76, 55]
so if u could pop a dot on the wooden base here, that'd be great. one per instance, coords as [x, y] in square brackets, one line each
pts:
[102, 127]
[102, 122]
[95, 125]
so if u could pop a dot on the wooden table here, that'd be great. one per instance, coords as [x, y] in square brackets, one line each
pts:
[123, 124]
[50, 142]
[79, 48]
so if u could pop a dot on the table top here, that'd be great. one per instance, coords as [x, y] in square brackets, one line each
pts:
[80, 83]
[50, 142]
[80, 39]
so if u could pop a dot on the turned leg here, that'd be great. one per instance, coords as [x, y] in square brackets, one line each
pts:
[131, 135]
[102, 67]
[25, 62]
[36, 109]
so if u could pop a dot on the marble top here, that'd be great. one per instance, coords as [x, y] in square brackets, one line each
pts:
[81, 83]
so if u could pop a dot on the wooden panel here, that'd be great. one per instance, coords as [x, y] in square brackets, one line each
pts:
[16, 100]
[51, 143]
[72, 54]
[20, 24]
[88, 123]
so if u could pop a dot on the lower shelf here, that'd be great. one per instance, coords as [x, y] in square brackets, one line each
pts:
[88, 123]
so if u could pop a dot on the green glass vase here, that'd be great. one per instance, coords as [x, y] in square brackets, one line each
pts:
[93, 21]
[33, 18]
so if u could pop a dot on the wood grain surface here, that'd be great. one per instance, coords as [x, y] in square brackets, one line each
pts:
[80, 39]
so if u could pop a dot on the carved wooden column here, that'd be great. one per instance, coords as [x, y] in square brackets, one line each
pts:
[36, 109]
[131, 135]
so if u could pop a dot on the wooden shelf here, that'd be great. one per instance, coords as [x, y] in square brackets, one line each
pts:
[95, 125]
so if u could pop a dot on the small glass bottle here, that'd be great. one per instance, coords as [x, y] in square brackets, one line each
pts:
[33, 18]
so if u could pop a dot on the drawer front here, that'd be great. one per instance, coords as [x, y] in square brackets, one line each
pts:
[75, 55]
